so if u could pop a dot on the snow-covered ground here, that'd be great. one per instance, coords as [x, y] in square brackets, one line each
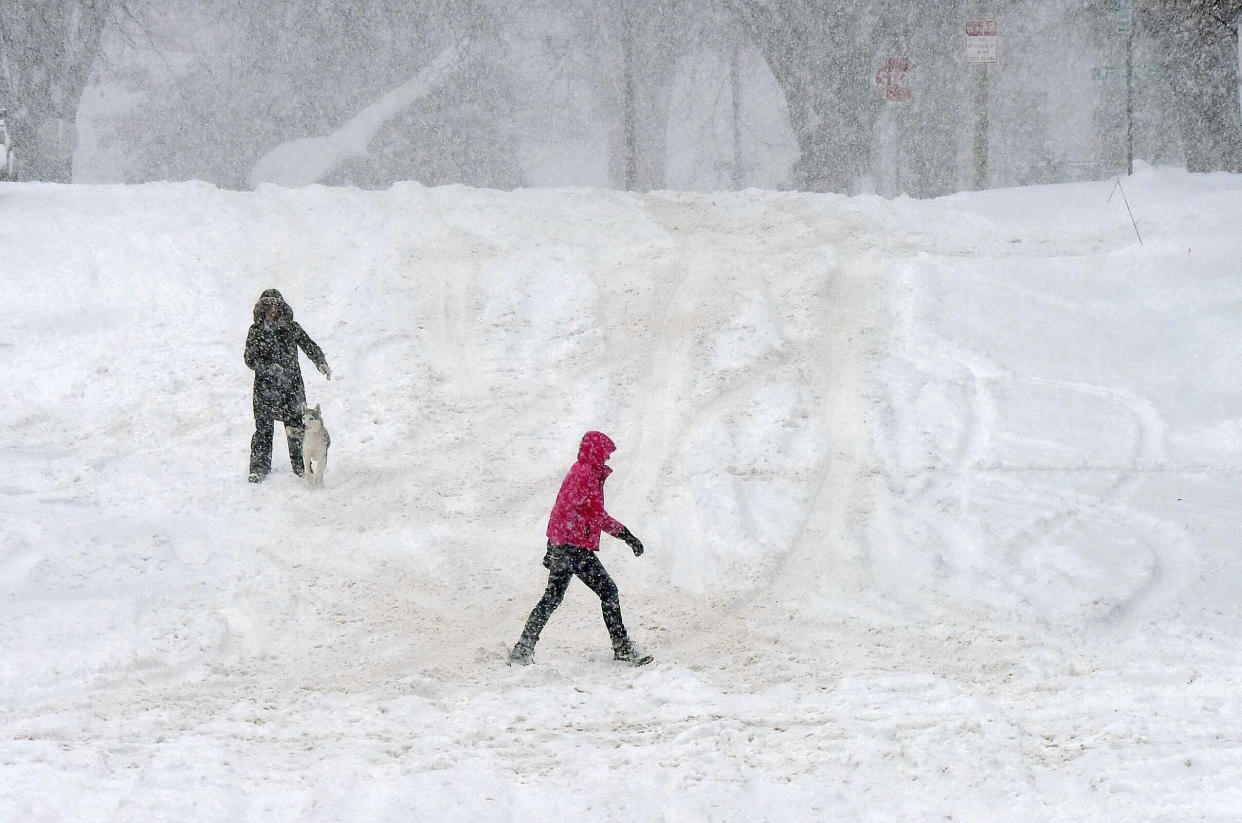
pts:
[940, 498]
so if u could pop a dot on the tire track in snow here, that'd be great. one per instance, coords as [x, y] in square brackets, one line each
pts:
[699, 296]
[1172, 558]
[822, 562]
[683, 323]
[957, 459]
[826, 544]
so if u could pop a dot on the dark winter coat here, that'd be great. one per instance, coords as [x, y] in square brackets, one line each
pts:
[578, 515]
[272, 351]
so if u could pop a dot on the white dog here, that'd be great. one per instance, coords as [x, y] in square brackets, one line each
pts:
[315, 444]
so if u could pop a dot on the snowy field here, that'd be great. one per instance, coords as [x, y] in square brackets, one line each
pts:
[941, 504]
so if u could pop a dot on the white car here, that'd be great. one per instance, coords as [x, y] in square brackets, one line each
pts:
[8, 160]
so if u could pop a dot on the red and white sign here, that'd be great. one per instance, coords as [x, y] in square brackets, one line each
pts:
[893, 79]
[982, 41]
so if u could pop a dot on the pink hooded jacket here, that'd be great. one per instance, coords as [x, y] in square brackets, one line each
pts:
[578, 516]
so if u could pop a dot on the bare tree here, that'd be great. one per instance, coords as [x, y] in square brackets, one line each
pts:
[613, 61]
[1198, 40]
[251, 77]
[629, 109]
[47, 51]
[1209, 15]
[820, 52]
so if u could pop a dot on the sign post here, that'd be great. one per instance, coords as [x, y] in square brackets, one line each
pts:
[1125, 27]
[982, 47]
[893, 82]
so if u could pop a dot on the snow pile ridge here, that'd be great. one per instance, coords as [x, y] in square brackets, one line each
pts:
[940, 503]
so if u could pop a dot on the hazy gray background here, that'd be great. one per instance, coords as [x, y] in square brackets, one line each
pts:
[686, 94]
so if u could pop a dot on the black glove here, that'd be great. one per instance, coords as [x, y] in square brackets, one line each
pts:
[633, 542]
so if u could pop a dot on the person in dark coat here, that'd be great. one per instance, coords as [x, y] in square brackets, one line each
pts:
[577, 520]
[279, 394]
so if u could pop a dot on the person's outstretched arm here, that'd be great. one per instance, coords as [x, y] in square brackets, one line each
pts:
[312, 350]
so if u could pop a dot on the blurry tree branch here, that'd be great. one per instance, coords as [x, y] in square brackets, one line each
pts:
[253, 78]
[1198, 44]
[47, 51]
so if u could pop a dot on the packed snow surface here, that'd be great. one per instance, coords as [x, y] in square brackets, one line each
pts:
[940, 498]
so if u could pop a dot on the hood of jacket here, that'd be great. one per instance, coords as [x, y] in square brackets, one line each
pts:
[595, 449]
[270, 298]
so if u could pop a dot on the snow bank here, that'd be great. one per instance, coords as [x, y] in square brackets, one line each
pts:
[939, 498]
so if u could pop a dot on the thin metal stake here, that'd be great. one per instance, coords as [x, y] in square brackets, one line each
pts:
[1125, 199]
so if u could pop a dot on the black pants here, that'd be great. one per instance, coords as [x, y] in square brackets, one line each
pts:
[261, 444]
[564, 562]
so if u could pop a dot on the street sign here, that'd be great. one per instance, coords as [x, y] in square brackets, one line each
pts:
[893, 79]
[982, 41]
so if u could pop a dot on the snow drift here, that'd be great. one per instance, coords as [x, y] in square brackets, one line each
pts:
[939, 500]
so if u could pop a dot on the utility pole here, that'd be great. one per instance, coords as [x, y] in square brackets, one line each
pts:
[735, 94]
[630, 126]
[1125, 26]
[981, 128]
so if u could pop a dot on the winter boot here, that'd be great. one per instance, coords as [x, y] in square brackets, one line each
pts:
[626, 652]
[522, 655]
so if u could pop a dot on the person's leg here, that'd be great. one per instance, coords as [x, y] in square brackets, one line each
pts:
[261, 446]
[295, 432]
[559, 575]
[592, 572]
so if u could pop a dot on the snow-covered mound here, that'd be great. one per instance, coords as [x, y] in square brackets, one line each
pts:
[940, 501]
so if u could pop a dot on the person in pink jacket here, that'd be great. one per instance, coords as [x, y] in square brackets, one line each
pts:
[577, 518]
